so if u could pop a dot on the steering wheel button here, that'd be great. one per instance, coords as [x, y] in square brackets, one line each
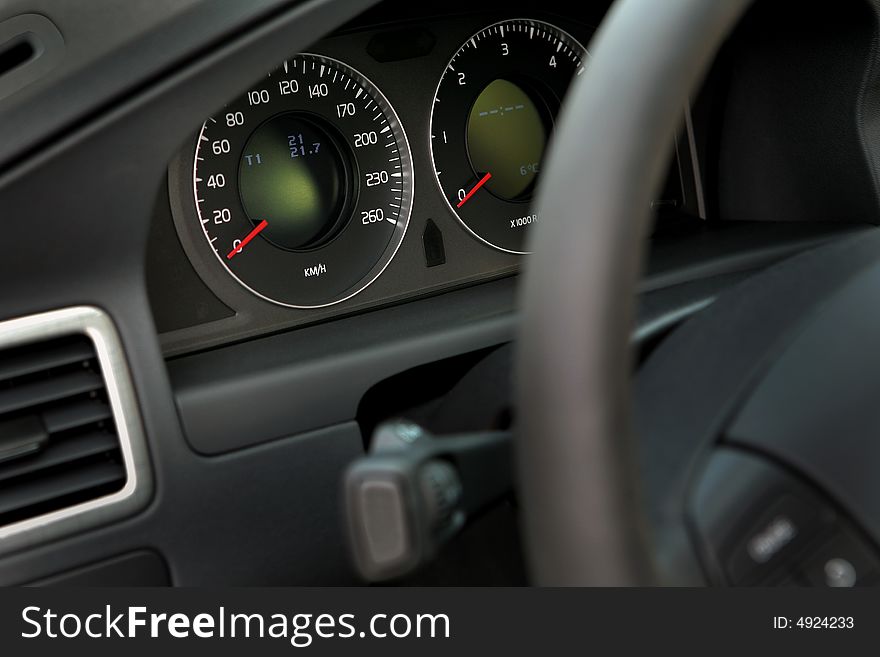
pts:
[839, 573]
[842, 562]
[780, 532]
[775, 537]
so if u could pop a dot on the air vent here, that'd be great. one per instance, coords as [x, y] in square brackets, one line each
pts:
[70, 441]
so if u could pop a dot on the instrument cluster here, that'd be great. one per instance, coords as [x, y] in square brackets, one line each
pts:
[384, 163]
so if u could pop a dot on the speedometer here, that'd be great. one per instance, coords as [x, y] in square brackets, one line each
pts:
[492, 118]
[303, 185]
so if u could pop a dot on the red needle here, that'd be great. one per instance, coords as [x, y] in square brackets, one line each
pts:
[251, 235]
[482, 182]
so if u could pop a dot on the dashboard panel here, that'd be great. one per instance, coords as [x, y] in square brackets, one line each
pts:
[280, 417]
[456, 94]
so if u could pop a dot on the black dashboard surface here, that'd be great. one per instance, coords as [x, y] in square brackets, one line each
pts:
[248, 437]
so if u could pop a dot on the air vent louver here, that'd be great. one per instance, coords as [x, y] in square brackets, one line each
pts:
[58, 440]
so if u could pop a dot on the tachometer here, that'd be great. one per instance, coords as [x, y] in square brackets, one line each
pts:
[304, 184]
[492, 117]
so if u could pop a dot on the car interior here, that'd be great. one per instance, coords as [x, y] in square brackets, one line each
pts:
[343, 292]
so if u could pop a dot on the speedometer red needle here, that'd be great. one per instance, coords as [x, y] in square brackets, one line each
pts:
[482, 182]
[251, 235]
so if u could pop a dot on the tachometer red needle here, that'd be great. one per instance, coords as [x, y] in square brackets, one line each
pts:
[482, 182]
[251, 235]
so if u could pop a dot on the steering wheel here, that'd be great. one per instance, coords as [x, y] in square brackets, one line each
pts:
[757, 417]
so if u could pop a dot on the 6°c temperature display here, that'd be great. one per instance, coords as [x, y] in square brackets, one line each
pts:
[492, 118]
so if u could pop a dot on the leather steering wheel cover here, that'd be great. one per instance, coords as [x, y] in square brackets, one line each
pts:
[584, 523]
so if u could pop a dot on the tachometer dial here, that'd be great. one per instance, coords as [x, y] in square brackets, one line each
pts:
[492, 117]
[303, 185]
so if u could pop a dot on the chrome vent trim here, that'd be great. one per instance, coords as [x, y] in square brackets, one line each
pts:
[137, 489]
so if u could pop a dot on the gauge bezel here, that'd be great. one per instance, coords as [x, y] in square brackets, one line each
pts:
[564, 34]
[406, 201]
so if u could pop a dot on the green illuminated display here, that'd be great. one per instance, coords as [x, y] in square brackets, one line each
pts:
[292, 175]
[506, 137]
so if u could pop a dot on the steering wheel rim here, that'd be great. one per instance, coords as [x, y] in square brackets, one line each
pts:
[584, 523]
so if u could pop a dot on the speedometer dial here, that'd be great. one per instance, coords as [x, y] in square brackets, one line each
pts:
[492, 118]
[304, 184]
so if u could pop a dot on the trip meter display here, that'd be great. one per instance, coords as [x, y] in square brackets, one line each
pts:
[492, 118]
[303, 185]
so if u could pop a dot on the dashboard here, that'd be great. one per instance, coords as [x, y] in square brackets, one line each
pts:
[199, 173]
[389, 161]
